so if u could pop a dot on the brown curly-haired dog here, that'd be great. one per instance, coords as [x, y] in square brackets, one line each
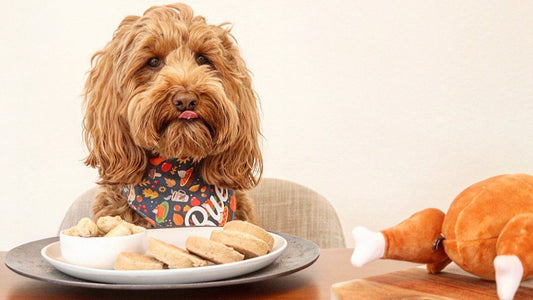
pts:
[155, 68]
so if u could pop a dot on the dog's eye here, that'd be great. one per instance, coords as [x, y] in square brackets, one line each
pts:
[155, 62]
[202, 60]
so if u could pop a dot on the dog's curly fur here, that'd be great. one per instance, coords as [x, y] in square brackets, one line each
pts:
[129, 114]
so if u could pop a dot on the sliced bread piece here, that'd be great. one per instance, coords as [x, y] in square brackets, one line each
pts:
[245, 243]
[212, 251]
[247, 227]
[136, 261]
[171, 255]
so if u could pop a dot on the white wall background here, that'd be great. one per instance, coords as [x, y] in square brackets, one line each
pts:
[384, 107]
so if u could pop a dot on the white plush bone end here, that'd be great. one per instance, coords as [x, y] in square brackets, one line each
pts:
[369, 246]
[509, 272]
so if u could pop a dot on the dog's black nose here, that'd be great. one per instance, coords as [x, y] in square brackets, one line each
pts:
[185, 101]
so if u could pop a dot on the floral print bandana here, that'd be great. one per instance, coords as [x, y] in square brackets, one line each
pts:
[173, 194]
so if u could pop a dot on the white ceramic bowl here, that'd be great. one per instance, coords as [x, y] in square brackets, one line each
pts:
[100, 252]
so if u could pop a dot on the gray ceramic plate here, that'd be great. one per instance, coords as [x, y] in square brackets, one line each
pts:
[27, 261]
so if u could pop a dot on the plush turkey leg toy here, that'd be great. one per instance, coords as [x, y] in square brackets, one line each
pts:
[488, 231]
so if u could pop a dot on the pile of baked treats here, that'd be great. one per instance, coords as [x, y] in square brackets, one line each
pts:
[236, 241]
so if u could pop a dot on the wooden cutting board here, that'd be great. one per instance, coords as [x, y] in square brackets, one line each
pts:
[416, 283]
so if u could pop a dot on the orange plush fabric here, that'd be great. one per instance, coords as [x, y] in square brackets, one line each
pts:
[516, 238]
[477, 217]
[490, 218]
[412, 240]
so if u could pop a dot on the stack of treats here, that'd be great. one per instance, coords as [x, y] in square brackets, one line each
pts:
[238, 240]
[104, 227]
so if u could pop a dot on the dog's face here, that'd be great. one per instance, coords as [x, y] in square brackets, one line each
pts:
[169, 84]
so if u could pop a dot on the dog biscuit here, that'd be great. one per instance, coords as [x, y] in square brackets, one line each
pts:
[196, 260]
[85, 228]
[119, 230]
[136, 261]
[212, 251]
[169, 254]
[72, 231]
[245, 243]
[252, 229]
[134, 228]
[107, 223]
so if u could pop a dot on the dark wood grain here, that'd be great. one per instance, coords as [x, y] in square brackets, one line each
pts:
[416, 283]
[313, 282]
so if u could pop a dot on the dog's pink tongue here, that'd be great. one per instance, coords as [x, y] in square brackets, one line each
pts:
[188, 114]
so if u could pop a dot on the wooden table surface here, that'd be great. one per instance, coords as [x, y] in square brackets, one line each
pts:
[314, 282]
[416, 283]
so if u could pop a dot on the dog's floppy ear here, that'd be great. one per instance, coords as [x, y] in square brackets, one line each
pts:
[241, 165]
[106, 131]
